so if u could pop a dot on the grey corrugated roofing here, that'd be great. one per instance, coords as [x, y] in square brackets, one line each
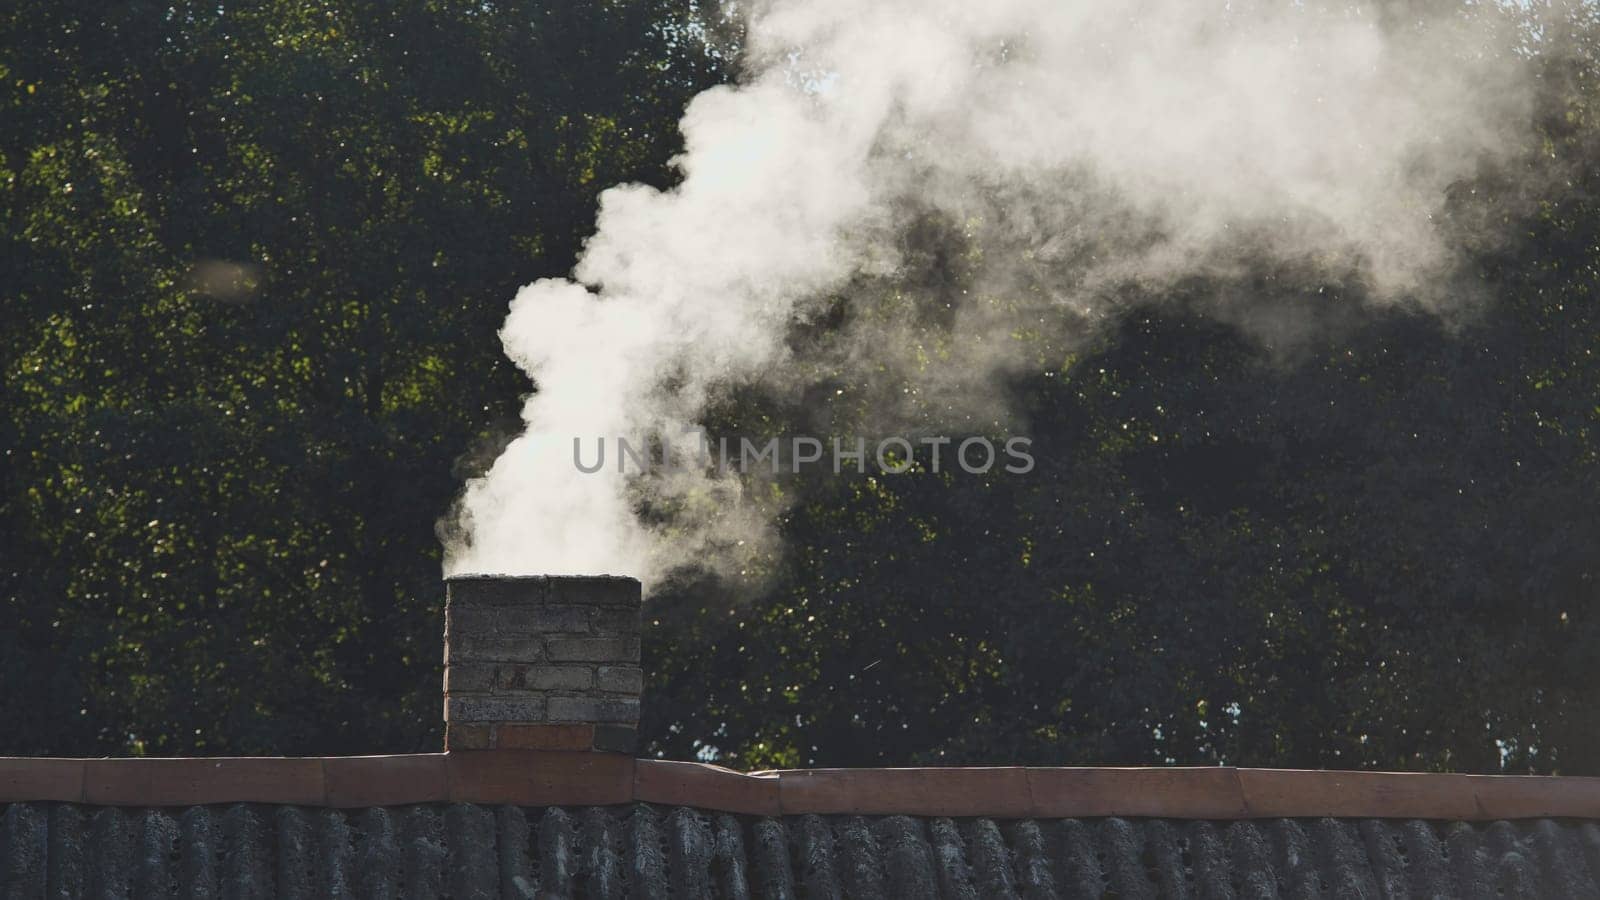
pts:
[641, 850]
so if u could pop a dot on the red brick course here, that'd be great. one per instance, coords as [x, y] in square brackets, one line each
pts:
[540, 778]
[544, 737]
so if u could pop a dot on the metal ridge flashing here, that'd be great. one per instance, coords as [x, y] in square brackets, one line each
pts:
[565, 778]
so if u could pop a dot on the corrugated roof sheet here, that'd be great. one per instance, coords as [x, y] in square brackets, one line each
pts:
[641, 850]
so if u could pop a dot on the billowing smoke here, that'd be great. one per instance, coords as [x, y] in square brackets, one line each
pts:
[955, 191]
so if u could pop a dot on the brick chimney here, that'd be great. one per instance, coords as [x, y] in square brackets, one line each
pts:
[542, 663]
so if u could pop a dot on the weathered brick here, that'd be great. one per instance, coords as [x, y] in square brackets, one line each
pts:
[476, 648]
[541, 663]
[622, 679]
[458, 736]
[493, 708]
[616, 738]
[616, 621]
[596, 649]
[511, 620]
[496, 590]
[593, 709]
[596, 590]
[552, 678]
[466, 678]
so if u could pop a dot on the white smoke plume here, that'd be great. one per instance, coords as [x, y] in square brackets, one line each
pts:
[1008, 164]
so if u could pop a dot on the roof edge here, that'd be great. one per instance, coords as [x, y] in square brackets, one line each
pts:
[559, 778]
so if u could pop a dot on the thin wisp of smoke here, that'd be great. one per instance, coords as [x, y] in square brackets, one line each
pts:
[979, 183]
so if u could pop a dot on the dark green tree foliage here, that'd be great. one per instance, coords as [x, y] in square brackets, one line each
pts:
[254, 260]
[253, 264]
[1366, 542]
